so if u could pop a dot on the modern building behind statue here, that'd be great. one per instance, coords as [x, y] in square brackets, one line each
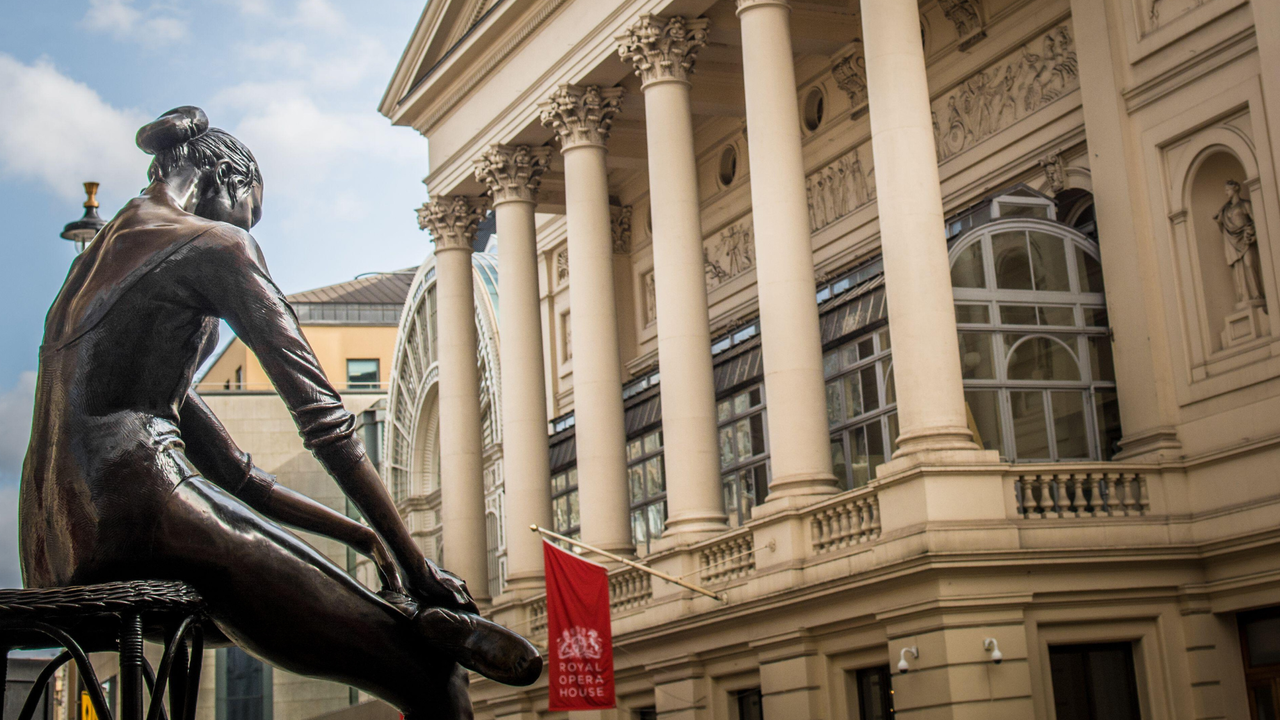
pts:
[919, 332]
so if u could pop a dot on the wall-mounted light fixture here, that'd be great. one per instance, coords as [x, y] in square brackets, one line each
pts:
[990, 646]
[902, 657]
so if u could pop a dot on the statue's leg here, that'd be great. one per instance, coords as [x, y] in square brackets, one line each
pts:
[282, 600]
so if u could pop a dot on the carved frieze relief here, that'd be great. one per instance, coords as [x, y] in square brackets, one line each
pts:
[1055, 172]
[842, 186]
[1018, 85]
[850, 74]
[729, 253]
[620, 228]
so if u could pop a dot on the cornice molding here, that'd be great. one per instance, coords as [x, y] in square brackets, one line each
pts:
[512, 172]
[581, 114]
[662, 50]
[453, 220]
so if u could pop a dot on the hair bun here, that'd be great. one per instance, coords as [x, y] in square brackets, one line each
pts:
[171, 129]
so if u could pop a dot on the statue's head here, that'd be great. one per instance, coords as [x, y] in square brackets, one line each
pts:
[226, 181]
[1233, 189]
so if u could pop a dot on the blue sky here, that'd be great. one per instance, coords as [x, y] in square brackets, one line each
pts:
[297, 80]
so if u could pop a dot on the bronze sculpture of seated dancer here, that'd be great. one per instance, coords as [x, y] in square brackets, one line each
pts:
[129, 475]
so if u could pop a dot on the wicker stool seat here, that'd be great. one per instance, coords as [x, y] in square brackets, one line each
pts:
[111, 617]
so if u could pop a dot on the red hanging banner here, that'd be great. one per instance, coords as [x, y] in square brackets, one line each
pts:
[578, 632]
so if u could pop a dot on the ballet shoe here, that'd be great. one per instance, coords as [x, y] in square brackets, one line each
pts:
[482, 646]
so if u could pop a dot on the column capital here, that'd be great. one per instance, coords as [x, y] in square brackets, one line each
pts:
[744, 5]
[581, 114]
[620, 227]
[453, 220]
[512, 172]
[662, 49]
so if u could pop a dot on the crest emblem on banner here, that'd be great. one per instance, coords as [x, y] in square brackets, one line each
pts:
[579, 643]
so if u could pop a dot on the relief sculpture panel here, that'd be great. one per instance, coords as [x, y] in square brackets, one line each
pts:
[729, 253]
[991, 100]
[842, 186]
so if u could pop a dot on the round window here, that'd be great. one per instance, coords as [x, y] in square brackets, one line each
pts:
[728, 165]
[813, 109]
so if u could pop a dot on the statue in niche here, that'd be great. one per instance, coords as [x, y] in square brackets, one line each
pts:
[963, 14]
[650, 300]
[1240, 241]
[130, 476]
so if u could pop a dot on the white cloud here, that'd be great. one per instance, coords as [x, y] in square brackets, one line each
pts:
[126, 22]
[320, 15]
[15, 426]
[59, 132]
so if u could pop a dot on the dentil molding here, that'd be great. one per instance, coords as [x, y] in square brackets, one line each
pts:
[512, 172]
[581, 115]
[453, 220]
[662, 49]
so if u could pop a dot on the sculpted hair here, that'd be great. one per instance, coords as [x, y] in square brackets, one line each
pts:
[182, 136]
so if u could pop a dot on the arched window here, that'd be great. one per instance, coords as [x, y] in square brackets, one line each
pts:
[1035, 346]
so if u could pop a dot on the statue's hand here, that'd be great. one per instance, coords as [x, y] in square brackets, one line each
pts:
[443, 589]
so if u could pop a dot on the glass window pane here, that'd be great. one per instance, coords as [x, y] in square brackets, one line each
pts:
[362, 373]
[852, 396]
[635, 483]
[1049, 261]
[1100, 361]
[757, 434]
[742, 433]
[1042, 358]
[893, 434]
[1008, 210]
[740, 404]
[974, 314]
[557, 483]
[1058, 316]
[727, 455]
[835, 403]
[866, 348]
[652, 442]
[849, 355]
[890, 390]
[966, 271]
[975, 356]
[831, 363]
[1030, 434]
[638, 527]
[633, 450]
[859, 472]
[560, 513]
[575, 519]
[1089, 272]
[870, 389]
[984, 407]
[654, 481]
[1106, 406]
[1096, 317]
[839, 467]
[730, 486]
[884, 339]
[571, 477]
[875, 447]
[657, 518]
[1013, 267]
[760, 483]
[1068, 424]
[1018, 315]
[724, 410]
[755, 396]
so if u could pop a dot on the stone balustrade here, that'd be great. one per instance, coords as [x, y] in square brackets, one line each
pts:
[1059, 493]
[855, 519]
[629, 588]
[730, 557]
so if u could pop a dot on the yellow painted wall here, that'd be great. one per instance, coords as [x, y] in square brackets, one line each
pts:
[333, 346]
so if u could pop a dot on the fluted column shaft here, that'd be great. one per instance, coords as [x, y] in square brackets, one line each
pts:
[662, 51]
[513, 174]
[799, 447]
[453, 221]
[922, 319]
[581, 117]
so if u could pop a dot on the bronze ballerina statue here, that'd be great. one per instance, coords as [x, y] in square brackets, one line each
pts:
[130, 476]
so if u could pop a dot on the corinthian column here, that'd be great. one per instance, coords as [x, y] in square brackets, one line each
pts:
[798, 438]
[922, 318]
[663, 52]
[513, 175]
[452, 222]
[581, 117]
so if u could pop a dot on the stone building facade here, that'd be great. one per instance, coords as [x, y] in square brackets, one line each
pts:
[920, 331]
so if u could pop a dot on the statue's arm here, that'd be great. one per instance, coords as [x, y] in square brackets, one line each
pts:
[233, 279]
[215, 454]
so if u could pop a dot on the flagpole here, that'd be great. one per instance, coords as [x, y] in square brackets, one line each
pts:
[630, 563]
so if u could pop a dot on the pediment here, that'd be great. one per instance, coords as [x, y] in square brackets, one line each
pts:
[442, 25]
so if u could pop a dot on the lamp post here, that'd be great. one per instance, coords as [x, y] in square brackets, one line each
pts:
[82, 231]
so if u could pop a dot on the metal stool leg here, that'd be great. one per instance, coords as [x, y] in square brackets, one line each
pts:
[178, 681]
[131, 666]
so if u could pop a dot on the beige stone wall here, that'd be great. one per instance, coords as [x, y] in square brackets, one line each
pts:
[332, 344]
